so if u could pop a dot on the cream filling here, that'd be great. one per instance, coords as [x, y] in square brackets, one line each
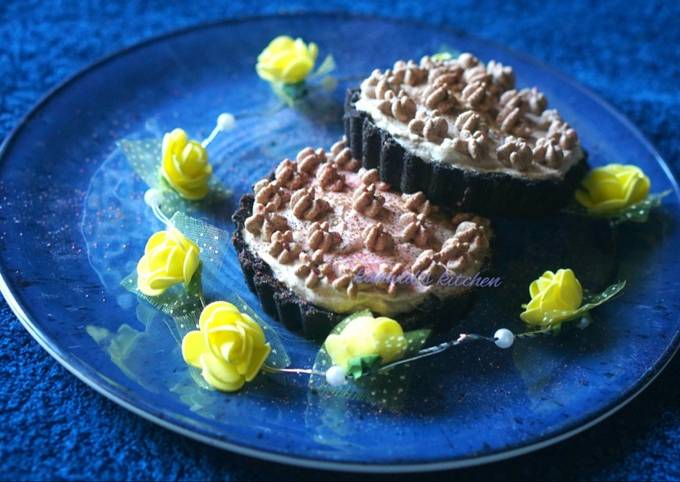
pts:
[325, 296]
[345, 220]
[446, 154]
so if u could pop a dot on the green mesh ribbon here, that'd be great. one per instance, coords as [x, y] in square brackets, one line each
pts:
[362, 366]
[185, 306]
[383, 388]
[182, 305]
[553, 320]
[593, 300]
[145, 158]
[639, 212]
[213, 243]
[635, 213]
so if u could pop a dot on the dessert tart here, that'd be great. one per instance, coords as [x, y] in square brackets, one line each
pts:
[323, 237]
[462, 133]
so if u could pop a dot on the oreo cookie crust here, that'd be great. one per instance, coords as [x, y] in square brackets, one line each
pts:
[459, 132]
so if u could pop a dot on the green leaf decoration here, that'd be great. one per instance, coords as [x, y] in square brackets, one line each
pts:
[635, 213]
[381, 388]
[553, 320]
[360, 366]
[639, 212]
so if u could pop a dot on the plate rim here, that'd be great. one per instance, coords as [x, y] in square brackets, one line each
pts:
[80, 370]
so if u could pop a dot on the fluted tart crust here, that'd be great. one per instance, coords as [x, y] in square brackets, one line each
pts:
[464, 121]
[322, 237]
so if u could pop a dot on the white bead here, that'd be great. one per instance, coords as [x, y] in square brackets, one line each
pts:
[152, 197]
[336, 376]
[225, 121]
[504, 338]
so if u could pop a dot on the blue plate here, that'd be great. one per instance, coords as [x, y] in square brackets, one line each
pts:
[73, 223]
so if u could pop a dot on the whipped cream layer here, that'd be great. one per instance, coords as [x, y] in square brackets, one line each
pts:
[464, 113]
[339, 238]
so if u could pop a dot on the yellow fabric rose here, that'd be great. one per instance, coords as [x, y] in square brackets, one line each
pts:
[555, 297]
[366, 336]
[229, 347]
[613, 187]
[185, 165]
[169, 258]
[286, 60]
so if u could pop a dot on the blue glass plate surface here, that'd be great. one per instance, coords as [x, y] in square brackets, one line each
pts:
[73, 223]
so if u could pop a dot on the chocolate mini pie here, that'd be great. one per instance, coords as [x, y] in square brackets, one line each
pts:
[323, 237]
[460, 132]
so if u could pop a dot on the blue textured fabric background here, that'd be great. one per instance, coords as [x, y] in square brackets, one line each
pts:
[54, 427]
